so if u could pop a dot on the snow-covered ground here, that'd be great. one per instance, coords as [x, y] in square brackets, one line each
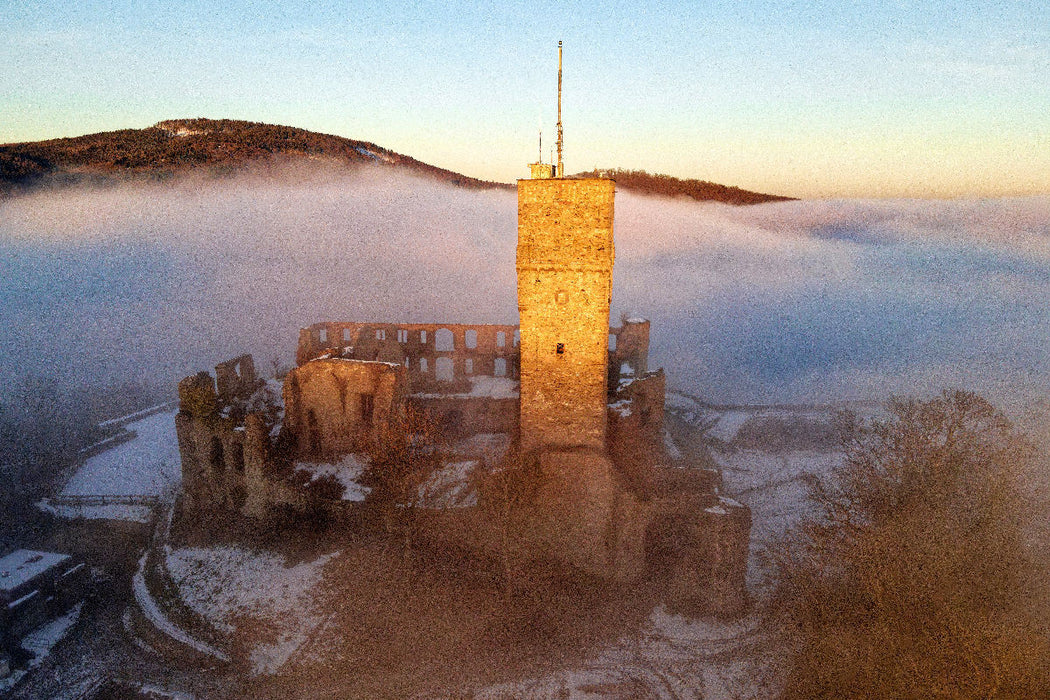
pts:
[670, 658]
[121, 482]
[40, 642]
[347, 471]
[237, 590]
[148, 465]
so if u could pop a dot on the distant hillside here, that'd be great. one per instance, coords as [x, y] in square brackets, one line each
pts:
[224, 145]
[667, 186]
[170, 147]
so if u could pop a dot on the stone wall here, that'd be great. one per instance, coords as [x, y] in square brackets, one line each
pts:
[564, 266]
[337, 406]
[432, 353]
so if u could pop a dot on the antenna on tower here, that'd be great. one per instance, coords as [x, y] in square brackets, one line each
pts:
[561, 167]
[540, 159]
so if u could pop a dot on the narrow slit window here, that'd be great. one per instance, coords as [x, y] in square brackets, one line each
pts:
[346, 334]
[468, 366]
[422, 337]
[560, 348]
[501, 339]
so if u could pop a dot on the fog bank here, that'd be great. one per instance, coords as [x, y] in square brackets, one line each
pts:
[796, 301]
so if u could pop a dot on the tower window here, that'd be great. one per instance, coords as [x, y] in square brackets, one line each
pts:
[322, 335]
[560, 349]
[346, 335]
[423, 337]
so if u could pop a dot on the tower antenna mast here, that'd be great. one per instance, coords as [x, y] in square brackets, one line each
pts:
[561, 167]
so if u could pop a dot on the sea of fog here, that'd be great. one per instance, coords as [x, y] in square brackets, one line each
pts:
[800, 301]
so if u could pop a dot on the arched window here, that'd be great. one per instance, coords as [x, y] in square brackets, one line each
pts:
[443, 340]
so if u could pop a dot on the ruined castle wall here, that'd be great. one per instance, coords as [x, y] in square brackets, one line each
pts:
[211, 447]
[337, 406]
[474, 350]
[564, 264]
[235, 378]
[632, 349]
[709, 540]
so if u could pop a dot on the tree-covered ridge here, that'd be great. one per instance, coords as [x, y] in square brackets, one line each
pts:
[182, 144]
[667, 186]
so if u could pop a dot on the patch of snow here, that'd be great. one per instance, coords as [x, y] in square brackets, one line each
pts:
[729, 425]
[347, 471]
[114, 422]
[24, 565]
[494, 387]
[483, 386]
[671, 657]
[626, 370]
[41, 641]
[450, 487]
[159, 620]
[224, 584]
[367, 153]
[492, 447]
[111, 511]
[148, 465]
[622, 408]
[637, 319]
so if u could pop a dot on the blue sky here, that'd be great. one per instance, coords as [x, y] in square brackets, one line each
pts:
[810, 99]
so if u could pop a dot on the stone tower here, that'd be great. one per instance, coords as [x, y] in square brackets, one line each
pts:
[564, 263]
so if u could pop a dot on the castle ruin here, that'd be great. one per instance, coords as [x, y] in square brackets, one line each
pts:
[562, 397]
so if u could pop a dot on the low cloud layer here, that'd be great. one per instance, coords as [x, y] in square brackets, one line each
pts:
[798, 301]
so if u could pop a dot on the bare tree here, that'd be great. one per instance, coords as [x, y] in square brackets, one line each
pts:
[913, 579]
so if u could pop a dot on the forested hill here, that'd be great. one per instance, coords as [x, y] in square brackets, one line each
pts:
[225, 145]
[667, 186]
[178, 145]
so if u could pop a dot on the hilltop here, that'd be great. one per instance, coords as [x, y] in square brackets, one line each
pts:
[179, 145]
[666, 186]
[221, 146]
